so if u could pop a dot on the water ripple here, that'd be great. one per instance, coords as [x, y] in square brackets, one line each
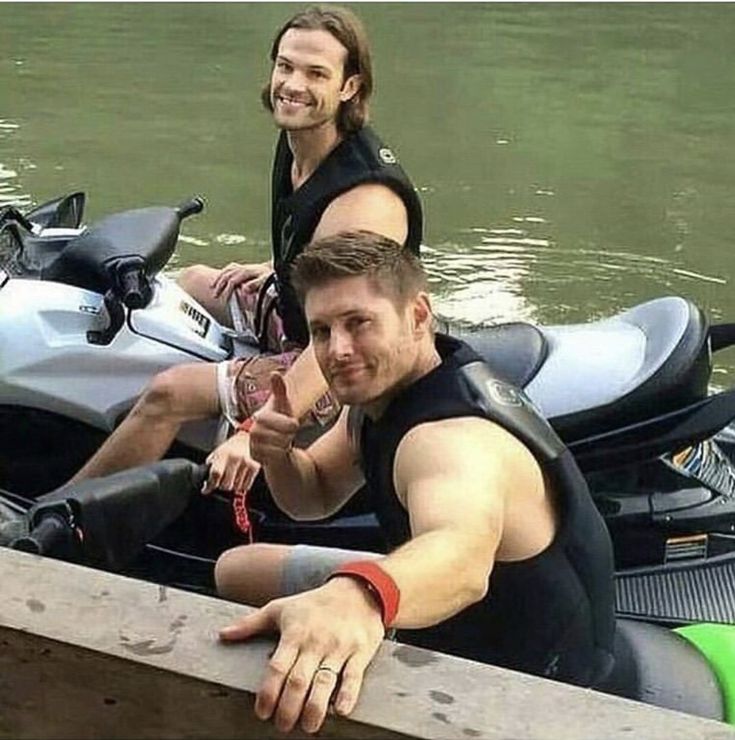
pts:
[9, 186]
[507, 275]
[230, 240]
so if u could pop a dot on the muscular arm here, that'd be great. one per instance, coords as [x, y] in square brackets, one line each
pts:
[457, 495]
[371, 207]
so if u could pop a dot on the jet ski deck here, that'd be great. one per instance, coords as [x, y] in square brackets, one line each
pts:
[702, 590]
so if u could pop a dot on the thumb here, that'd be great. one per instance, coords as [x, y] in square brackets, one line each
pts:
[248, 626]
[279, 390]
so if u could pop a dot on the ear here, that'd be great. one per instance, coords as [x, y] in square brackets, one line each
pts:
[350, 88]
[423, 316]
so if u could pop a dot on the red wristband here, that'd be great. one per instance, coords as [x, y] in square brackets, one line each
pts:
[379, 584]
[246, 425]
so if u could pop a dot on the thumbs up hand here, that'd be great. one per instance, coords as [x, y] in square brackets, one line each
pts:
[271, 437]
[279, 393]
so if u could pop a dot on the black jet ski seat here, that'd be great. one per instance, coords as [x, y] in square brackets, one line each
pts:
[588, 378]
[660, 667]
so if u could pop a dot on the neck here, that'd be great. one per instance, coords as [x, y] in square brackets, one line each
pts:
[426, 360]
[310, 147]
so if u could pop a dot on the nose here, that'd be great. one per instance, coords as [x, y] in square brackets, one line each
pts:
[340, 343]
[294, 82]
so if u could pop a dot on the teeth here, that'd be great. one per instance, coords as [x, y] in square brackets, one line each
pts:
[291, 101]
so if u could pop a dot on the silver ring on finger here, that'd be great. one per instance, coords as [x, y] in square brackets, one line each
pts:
[327, 668]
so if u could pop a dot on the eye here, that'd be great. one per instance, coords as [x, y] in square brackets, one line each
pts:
[320, 333]
[355, 323]
[282, 66]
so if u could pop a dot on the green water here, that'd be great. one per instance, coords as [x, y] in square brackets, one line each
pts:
[573, 159]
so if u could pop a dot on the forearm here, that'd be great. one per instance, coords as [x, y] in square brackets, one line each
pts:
[296, 486]
[438, 573]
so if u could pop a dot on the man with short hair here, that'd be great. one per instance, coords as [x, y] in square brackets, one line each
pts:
[331, 172]
[497, 552]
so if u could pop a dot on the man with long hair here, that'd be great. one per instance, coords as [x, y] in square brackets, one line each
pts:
[331, 172]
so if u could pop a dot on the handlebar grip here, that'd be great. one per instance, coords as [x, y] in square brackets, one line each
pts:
[190, 207]
[44, 537]
[132, 289]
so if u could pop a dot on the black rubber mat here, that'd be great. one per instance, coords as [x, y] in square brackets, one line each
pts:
[703, 591]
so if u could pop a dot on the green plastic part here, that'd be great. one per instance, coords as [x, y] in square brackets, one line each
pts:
[717, 643]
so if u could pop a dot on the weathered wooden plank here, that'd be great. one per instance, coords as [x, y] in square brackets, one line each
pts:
[55, 690]
[90, 654]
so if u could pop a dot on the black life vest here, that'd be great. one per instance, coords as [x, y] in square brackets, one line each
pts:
[550, 615]
[359, 158]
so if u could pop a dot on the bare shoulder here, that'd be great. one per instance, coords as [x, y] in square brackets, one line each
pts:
[370, 206]
[467, 449]
[370, 193]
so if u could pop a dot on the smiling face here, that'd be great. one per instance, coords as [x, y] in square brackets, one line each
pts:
[367, 345]
[307, 85]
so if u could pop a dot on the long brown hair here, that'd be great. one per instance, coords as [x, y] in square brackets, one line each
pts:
[348, 29]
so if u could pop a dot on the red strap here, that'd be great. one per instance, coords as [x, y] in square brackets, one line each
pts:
[246, 425]
[239, 500]
[381, 586]
[240, 510]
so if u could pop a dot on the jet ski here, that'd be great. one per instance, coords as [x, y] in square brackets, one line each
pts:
[87, 317]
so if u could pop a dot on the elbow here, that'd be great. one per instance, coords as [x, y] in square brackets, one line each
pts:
[477, 577]
[476, 589]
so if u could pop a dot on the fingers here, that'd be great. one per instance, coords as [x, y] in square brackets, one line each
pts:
[237, 476]
[279, 668]
[215, 474]
[218, 473]
[231, 276]
[271, 436]
[295, 686]
[254, 285]
[271, 423]
[307, 690]
[263, 620]
[245, 477]
[220, 283]
[326, 679]
[351, 683]
[302, 692]
[232, 467]
[324, 649]
[281, 403]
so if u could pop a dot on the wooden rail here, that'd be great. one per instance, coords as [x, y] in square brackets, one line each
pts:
[86, 654]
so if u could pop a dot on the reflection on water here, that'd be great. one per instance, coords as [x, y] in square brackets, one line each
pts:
[9, 187]
[472, 290]
[488, 281]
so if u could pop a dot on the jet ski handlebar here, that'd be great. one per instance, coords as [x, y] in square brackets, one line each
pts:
[82, 520]
[190, 207]
[51, 534]
[132, 283]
